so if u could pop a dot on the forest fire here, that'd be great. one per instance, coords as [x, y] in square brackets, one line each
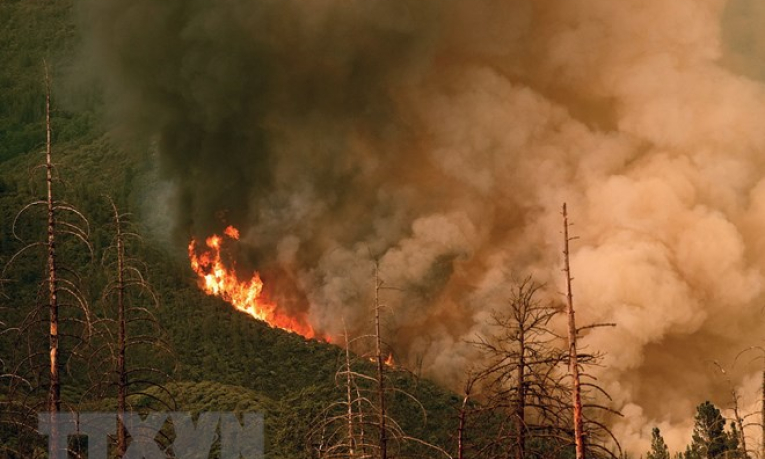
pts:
[388, 360]
[217, 279]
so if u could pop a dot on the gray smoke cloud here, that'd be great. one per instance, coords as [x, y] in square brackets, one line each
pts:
[441, 138]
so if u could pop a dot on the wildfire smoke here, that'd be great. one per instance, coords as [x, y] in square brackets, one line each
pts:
[438, 140]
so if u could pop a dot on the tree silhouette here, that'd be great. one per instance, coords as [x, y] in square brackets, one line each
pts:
[521, 377]
[587, 429]
[462, 416]
[68, 313]
[129, 331]
[760, 360]
[360, 425]
[709, 439]
[737, 425]
[659, 449]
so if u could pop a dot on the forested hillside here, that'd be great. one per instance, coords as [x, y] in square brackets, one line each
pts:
[219, 359]
[124, 276]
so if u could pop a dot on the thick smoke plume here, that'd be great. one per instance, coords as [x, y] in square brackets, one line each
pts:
[441, 137]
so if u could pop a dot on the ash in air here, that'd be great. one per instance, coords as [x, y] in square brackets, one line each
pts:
[440, 138]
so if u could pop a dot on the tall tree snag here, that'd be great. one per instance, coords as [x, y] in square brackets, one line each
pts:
[345, 428]
[573, 364]
[522, 377]
[54, 394]
[738, 419]
[349, 395]
[127, 298]
[60, 282]
[463, 414]
[380, 360]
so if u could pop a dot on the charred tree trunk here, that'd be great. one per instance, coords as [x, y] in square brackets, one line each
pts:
[521, 369]
[463, 418]
[742, 437]
[362, 431]
[520, 403]
[57, 282]
[383, 440]
[572, 348]
[349, 396]
[54, 392]
[127, 277]
[122, 379]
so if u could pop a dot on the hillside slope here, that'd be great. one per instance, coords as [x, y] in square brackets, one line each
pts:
[225, 359]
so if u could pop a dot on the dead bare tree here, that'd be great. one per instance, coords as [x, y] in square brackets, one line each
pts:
[339, 432]
[583, 436]
[7, 407]
[462, 417]
[759, 358]
[487, 426]
[738, 417]
[380, 362]
[128, 324]
[573, 364]
[62, 221]
[345, 429]
[521, 376]
[349, 390]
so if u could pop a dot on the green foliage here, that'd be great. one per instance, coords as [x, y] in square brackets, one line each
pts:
[659, 449]
[31, 31]
[709, 439]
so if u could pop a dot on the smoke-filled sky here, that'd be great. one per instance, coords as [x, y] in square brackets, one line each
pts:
[441, 138]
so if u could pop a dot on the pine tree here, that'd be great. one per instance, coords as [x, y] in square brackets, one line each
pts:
[733, 443]
[659, 449]
[709, 440]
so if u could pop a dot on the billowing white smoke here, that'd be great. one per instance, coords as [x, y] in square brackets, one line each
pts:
[442, 139]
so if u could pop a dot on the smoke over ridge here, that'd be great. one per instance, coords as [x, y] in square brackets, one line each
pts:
[442, 137]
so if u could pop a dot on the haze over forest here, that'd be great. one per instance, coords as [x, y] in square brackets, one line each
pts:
[437, 141]
[441, 139]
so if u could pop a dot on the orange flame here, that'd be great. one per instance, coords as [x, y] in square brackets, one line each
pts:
[247, 296]
[388, 361]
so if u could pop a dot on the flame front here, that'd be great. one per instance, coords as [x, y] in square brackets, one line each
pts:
[216, 279]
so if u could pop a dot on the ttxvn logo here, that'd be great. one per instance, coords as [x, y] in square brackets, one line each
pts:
[192, 440]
